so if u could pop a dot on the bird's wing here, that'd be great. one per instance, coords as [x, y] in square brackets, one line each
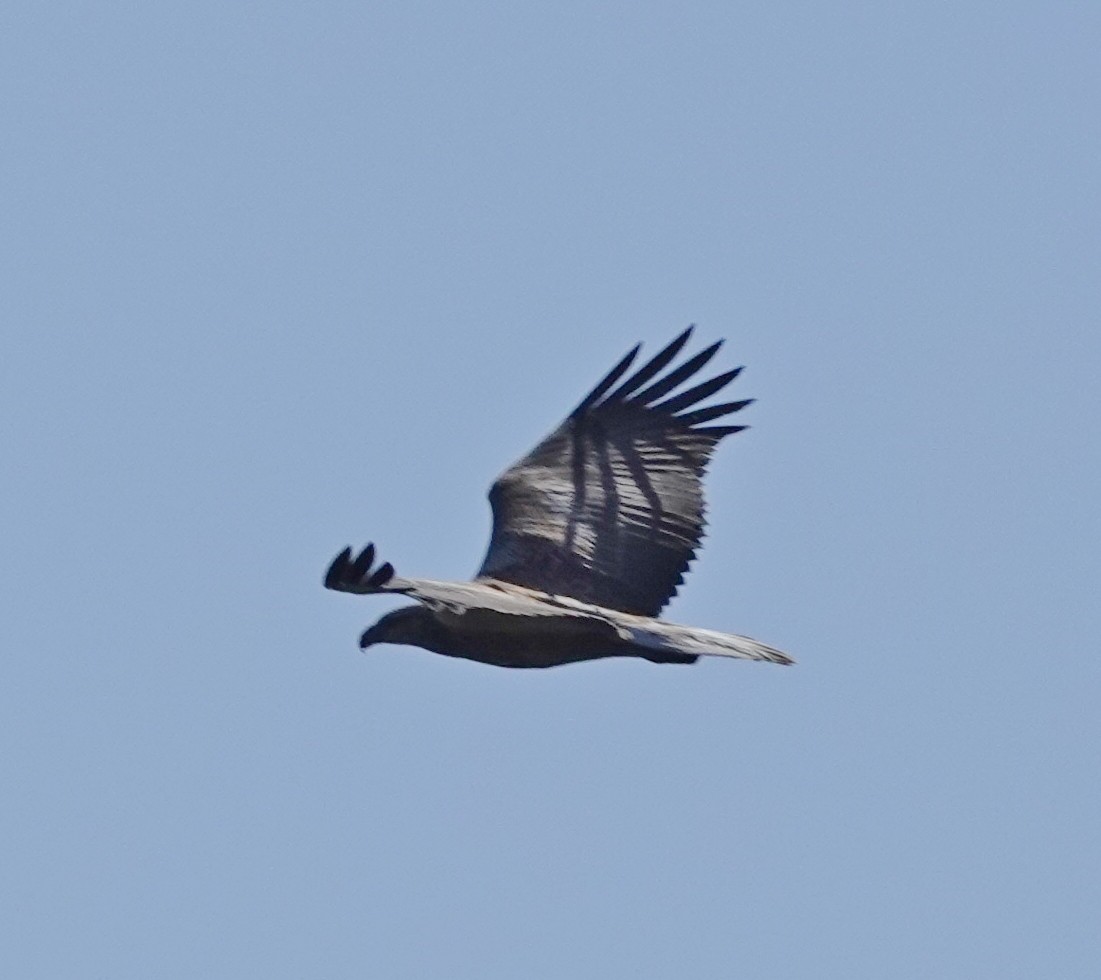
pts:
[493, 608]
[609, 508]
[359, 575]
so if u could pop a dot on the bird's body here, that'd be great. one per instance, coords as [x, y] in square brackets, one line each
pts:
[503, 640]
[592, 533]
[510, 626]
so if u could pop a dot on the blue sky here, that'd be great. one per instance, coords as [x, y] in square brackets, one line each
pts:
[283, 277]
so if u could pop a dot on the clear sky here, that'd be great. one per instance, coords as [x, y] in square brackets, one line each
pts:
[279, 278]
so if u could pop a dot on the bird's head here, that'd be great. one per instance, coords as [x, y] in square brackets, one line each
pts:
[411, 625]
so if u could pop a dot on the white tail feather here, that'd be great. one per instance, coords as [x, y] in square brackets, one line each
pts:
[671, 638]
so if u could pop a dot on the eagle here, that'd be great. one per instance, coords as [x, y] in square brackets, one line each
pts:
[593, 531]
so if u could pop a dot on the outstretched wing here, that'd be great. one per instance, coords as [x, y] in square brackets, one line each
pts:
[489, 605]
[609, 509]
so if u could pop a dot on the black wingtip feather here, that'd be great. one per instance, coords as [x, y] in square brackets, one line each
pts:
[677, 376]
[606, 382]
[701, 391]
[337, 568]
[363, 563]
[382, 575]
[718, 431]
[651, 368]
[701, 415]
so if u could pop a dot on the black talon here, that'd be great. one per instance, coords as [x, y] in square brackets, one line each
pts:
[362, 565]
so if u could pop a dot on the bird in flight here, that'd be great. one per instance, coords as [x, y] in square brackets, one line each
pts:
[593, 531]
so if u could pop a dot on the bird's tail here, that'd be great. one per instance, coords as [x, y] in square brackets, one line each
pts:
[683, 644]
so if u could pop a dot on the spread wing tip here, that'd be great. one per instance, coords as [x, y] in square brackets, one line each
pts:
[346, 574]
[607, 381]
[646, 387]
